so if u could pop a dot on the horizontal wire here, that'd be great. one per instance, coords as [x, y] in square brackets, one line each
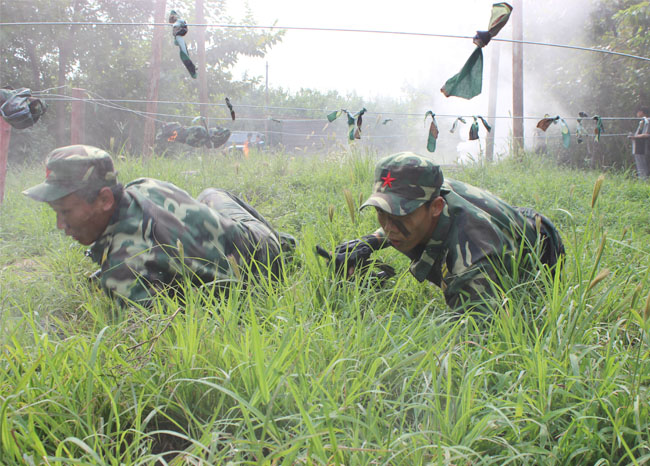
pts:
[61, 97]
[302, 28]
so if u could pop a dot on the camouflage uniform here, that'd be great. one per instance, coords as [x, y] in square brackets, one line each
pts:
[477, 238]
[159, 235]
[195, 136]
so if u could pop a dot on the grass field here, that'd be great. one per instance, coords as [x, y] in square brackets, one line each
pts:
[313, 370]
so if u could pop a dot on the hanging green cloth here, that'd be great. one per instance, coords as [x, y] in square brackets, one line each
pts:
[580, 130]
[468, 83]
[334, 115]
[354, 121]
[179, 29]
[456, 121]
[599, 128]
[488, 128]
[433, 131]
[566, 134]
[473, 130]
[355, 130]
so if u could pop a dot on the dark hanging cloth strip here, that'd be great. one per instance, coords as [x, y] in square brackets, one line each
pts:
[179, 29]
[433, 131]
[232, 110]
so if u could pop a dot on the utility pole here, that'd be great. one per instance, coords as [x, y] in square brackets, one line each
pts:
[266, 108]
[517, 78]
[154, 75]
[203, 76]
[495, 50]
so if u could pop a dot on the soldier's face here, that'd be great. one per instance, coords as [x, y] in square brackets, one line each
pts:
[79, 219]
[408, 231]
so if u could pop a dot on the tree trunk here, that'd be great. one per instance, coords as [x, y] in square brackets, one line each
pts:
[33, 64]
[154, 75]
[64, 53]
[203, 76]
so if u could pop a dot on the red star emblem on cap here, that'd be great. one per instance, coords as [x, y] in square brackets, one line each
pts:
[47, 173]
[388, 181]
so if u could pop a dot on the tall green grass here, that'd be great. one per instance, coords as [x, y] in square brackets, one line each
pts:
[316, 370]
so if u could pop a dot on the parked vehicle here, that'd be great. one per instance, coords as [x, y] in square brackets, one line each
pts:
[243, 141]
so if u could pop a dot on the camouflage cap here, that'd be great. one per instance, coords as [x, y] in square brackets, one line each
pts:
[71, 168]
[403, 182]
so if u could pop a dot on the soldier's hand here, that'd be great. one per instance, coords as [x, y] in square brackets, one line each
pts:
[351, 255]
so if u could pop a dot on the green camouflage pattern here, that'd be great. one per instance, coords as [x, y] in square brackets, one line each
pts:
[403, 182]
[195, 136]
[71, 168]
[159, 236]
[476, 240]
[19, 108]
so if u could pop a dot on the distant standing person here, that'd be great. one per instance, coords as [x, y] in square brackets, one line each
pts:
[641, 144]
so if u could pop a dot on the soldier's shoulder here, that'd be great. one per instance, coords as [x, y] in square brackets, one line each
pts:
[148, 186]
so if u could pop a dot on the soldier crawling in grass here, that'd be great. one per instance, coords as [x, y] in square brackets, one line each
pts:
[459, 237]
[149, 235]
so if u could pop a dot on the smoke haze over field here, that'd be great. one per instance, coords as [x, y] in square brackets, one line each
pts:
[374, 65]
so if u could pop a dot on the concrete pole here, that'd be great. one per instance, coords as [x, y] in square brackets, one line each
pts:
[517, 77]
[154, 75]
[495, 50]
[266, 108]
[5, 137]
[78, 116]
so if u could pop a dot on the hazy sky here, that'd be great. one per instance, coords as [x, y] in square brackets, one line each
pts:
[370, 64]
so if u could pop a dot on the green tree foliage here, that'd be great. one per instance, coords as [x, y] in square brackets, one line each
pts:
[608, 85]
[113, 62]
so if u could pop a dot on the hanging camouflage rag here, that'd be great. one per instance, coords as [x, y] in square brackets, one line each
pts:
[355, 132]
[19, 108]
[354, 121]
[580, 130]
[232, 110]
[468, 83]
[179, 29]
[458, 120]
[433, 131]
[599, 128]
[195, 136]
[566, 134]
[545, 122]
[473, 130]
[386, 121]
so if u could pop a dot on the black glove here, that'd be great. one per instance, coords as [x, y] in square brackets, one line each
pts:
[356, 253]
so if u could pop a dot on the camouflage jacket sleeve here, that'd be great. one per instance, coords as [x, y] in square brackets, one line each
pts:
[474, 289]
